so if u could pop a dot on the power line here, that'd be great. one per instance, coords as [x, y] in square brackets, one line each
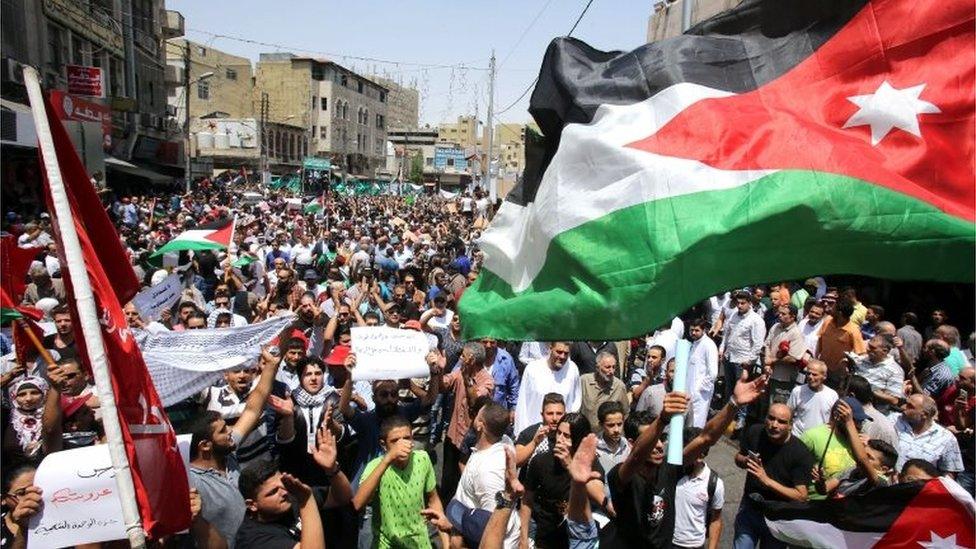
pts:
[534, 81]
[339, 55]
[524, 33]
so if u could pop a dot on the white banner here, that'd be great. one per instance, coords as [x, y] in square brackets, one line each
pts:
[389, 353]
[81, 504]
[182, 364]
[154, 299]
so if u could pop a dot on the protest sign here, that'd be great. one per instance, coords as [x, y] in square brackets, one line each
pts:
[81, 504]
[154, 299]
[389, 353]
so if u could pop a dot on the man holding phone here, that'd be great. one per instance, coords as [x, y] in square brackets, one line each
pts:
[779, 468]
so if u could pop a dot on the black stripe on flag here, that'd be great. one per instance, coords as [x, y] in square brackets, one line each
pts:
[873, 511]
[736, 51]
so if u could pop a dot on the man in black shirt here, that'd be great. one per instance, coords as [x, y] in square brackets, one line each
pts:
[534, 439]
[282, 512]
[779, 467]
[547, 484]
[642, 487]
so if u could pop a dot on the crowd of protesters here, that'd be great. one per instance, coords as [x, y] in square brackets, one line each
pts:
[504, 444]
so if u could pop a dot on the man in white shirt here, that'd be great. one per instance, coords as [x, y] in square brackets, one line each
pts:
[698, 501]
[482, 479]
[811, 403]
[702, 371]
[784, 350]
[743, 334]
[886, 377]
[554, 374]
[667, 336]
[810, 327]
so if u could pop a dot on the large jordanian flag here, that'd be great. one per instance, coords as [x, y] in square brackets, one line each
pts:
[775, 141]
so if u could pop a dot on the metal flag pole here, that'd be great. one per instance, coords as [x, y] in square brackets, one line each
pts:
[87, 313]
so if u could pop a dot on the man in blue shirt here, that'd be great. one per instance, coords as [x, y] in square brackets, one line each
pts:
[504, 372]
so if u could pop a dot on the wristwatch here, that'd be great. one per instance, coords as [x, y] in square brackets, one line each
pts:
[502, 501]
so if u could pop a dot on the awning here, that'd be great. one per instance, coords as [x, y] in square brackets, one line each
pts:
[129, 168]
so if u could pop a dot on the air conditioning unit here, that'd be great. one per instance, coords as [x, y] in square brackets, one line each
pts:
[13, 71]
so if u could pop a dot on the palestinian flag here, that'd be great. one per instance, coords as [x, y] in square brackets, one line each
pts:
[933, 514]
[216, 235]
[316, 205]
[21, 319]
[775, 141]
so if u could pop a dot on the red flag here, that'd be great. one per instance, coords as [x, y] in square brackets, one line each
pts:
[14, 262]
[160, 479]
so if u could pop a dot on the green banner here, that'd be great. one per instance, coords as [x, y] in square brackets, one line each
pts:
[311, 163]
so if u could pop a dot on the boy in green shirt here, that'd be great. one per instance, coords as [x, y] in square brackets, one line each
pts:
[400, 485]
[831, 443]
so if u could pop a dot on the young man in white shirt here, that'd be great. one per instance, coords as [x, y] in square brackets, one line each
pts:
[811, 403]
[702, 370]
[482, 480]
[698, 501]
[611, 446]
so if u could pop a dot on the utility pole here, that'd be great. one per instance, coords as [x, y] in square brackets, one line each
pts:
[188, 173]
[492, 188]
[264, 135]
[129, 49]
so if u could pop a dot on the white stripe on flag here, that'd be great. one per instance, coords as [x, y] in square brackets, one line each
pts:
[808, 533]
[593, 174]
[960, 493]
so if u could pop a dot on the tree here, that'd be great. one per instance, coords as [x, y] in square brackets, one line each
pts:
[417, 168]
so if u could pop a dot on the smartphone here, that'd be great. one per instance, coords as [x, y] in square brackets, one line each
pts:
[754, 456]
[964, 394]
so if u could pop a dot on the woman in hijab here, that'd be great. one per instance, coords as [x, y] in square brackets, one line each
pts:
[22, 432]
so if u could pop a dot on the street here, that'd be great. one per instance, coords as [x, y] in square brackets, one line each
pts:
[720, 459]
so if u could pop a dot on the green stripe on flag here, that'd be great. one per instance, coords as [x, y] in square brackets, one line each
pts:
[633, 269]
[8, 315]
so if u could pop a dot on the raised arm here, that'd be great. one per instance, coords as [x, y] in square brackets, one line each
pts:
[743, 393]
[254, 405]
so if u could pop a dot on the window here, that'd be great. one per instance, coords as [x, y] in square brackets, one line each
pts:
[343, 80]
[379, 121]
[116, 83]
[323, 132]
[324, 103]
[57, 47]
[231, 74]
[313, 130]
[428, 161]
[365, 117]
[318, 72]
[382, 97]
[79, 50]
[203, 90]
[345, 110]
[201, 51]
[360, 86]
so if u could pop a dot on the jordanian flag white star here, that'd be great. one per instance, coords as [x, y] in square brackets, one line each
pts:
[938, 542]
[889, 107]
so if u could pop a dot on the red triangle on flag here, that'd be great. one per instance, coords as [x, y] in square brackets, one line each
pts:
[933, 516]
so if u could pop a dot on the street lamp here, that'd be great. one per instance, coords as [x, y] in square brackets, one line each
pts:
[188, 174]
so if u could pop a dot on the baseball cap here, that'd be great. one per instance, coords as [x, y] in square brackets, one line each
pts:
[412, 325]
[857, 409]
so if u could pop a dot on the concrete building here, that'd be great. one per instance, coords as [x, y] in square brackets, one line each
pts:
[464, 133]
[344, 113]
[228, 93]
[221, 86]
[408, 144]
[129, 115]
[665, 20]
[235, 143]
[403, 104]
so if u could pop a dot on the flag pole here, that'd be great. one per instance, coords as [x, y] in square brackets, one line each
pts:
[45, 354]
[87, 313]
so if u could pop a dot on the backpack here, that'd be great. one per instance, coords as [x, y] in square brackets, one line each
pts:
[712, 483]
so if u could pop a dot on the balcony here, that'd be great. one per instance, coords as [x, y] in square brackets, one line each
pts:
[173, 25]
[173, 76]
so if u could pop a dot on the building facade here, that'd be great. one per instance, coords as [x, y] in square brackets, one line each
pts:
[127, 102]
[464, 133]
[403, 104]
[344, 113]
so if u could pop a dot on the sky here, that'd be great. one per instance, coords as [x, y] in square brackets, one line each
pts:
[440, 47]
